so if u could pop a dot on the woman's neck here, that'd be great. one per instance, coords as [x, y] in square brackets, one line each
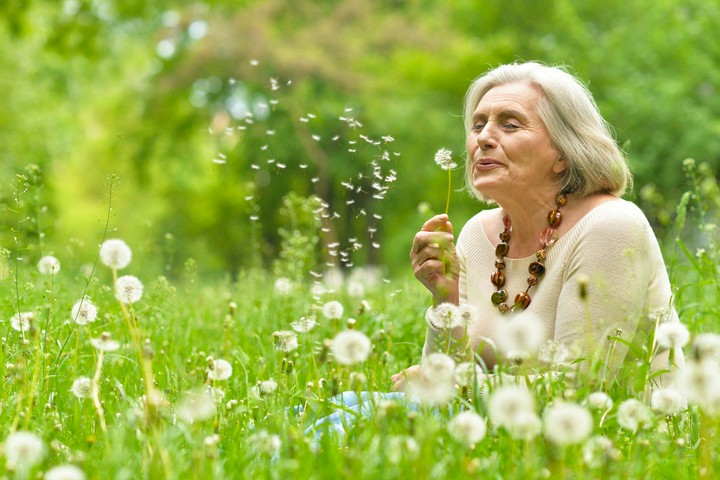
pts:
[529, 220]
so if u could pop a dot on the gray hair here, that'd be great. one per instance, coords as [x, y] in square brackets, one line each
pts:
[595, 163]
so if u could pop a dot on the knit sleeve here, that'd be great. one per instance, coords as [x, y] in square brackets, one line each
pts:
[607, 282]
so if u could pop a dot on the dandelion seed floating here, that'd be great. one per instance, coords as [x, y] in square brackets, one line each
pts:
[443, 158]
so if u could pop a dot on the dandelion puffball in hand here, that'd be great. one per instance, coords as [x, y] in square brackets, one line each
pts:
[443, 158]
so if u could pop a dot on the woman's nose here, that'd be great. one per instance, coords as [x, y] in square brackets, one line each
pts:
[486, 137]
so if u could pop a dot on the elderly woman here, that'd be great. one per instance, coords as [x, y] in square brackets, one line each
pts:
[561, 244]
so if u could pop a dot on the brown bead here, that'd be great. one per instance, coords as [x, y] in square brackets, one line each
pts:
[500, 264]
[561, 200]
[504, 307]
[505, 236]
[541, 254]
[532, 280]
[554, 218]
[502, 249]
[522, 300]
[499, 297]
[537, 269]
[507, 223]
[548, 237]
[498, 279]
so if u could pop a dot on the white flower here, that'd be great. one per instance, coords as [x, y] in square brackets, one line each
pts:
[468, 374]
[599, 401]
[128, 289]
[264, 443]
[197, 406]
[698, 380]
[105, 343]
[84, 311]
[443, 158]
[467, 427]
[567, 423]
[598, 450]
[672, 335]
[22, 322]
[633, 414]
[525, 426]
[468, 314]
[333, 310]
[65, 472]
[438, 367]
[521, 336]
[48, 265]
[81, 387]
[304, 324]
[351, 347]
[285, 340]
[667, 401]
[23, 450]
[445, 315]
[283, 286]
[115, 254]
[707, 345]
[507, 402]
[220, 370]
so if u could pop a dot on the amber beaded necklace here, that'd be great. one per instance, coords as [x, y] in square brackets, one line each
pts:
[536, 269]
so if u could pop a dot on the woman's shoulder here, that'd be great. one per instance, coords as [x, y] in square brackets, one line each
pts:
[616, 219]
[474, 228]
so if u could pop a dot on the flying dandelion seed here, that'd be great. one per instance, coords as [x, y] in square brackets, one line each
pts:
[567, 423]
[115, 254]
[219, 370]
[128, 289]
[467, 427]
[83, 312]
[23, 450]
[48, 265]
[304, 324]
[350, 347]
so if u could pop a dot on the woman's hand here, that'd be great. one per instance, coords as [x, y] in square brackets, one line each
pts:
[434, 261]
[400, 380]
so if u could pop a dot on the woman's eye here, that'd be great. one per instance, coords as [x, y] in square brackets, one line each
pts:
[478, 127]
[511, 126]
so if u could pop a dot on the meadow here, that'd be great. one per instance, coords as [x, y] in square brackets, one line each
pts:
[113, 370]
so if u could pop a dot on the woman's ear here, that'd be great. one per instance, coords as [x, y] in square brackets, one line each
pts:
[560, 165]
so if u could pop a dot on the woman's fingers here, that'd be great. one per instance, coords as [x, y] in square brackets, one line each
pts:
[401, 379]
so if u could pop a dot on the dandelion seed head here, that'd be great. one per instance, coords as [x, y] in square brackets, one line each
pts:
[83, 311]
[65, 472]
[23, 450]
[554, 353]
[438, 367]
[632, 414]
[522, 336]
[525, 426]
[283, 286]
[197, 406]
[507, 402]
[598, 450]
[264, 443]
[48, 265]
[350, 347]
[443, 158]
[707, 346]
[468, 314]
[333, 310]
[672, 335]
[567, 423]
[105, 343]
[697, 380]
[128, 289]
[304, 324]
[667, 401]
[599, 401]
[285, 340]
[219, 370]
[467, 427]
[81, 387]
[444, 315]
[115, 253]
[22, 322]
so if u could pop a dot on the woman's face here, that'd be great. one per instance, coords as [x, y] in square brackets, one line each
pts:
[510, 146]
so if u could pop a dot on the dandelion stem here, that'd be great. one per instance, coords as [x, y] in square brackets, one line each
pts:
[447, 202]
[95, 391]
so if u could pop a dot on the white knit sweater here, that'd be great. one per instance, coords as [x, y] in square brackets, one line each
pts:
[612, 246]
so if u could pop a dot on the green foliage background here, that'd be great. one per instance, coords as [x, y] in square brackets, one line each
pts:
[86, 93]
